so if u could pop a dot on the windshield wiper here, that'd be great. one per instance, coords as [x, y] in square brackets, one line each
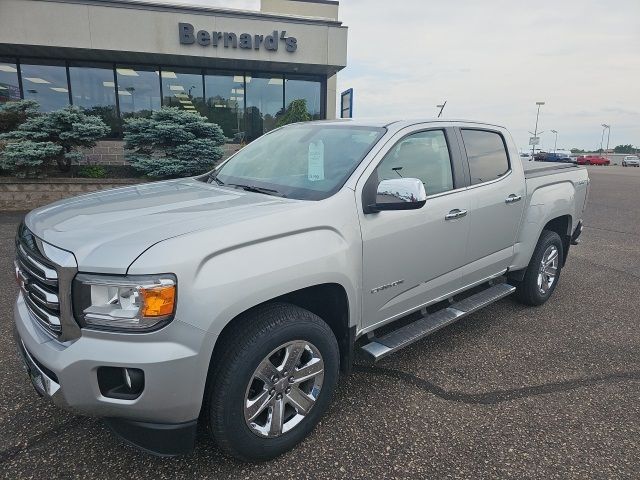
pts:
[215, 178]
[256, 189]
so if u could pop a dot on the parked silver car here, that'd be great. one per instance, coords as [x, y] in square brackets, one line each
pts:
[233, 299]
[631, 161]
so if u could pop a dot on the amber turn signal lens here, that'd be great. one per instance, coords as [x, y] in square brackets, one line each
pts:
[158, 301]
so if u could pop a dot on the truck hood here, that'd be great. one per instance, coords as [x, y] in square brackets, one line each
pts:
[108, 230]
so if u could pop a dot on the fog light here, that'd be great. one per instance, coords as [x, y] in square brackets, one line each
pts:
[120, 383]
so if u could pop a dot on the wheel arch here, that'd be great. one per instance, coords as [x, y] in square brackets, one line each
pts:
[562, 226]
[329, 301]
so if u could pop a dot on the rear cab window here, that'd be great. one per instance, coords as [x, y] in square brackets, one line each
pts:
[487, 155]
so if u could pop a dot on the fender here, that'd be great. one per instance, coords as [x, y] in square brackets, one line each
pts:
[547, 202]
[279, 265]
[227, 269]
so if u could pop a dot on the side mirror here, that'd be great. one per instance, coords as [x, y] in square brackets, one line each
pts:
[399, 194]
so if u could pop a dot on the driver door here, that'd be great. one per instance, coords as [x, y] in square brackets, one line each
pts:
[414, 257]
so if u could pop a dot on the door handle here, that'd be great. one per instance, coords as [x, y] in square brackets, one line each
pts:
[454, 214]
[513, 198]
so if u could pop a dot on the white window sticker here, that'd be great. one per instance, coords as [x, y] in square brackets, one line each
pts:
[316, 161]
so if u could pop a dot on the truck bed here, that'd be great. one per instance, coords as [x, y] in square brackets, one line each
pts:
[538, 169]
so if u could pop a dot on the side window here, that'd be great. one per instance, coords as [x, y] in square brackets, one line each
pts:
[487, 155]
[422, 155]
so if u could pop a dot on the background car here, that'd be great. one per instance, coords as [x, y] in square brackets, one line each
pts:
[631, 161]
[593, 160]
[553, 157]
[526, 156]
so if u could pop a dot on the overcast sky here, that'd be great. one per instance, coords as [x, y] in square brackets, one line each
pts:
[493, 59]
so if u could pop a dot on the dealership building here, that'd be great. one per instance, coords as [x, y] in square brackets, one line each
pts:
[121, 59]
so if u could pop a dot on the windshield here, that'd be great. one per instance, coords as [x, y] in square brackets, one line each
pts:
[305, 162]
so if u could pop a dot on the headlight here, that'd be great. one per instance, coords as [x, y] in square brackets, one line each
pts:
[136, 303]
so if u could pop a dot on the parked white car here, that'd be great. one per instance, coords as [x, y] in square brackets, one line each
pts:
[631, 161]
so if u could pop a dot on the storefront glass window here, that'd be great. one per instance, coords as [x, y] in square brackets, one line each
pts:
[182, 89]
[138, 90]
[305, 89]
[225, 103]
[9, 86]
[46, 84]
[93, 90]
[265, 103]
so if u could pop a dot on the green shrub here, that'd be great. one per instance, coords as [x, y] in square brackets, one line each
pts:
[13, 114]
[295, 112]
[26, 158]
[92, 171]
[172, 143]
[45, 138]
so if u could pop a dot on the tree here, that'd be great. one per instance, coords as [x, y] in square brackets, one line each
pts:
[624, 149]
[295, 112]
[577, 150]
[13, 114]
[46, 138]
[172, 143]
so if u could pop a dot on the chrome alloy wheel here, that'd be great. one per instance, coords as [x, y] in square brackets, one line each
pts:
[548, 271]
[283, 389]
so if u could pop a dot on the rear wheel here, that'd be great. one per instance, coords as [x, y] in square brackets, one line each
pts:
[272, 383]
[543, 272]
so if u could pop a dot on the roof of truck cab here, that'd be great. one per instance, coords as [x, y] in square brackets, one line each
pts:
[399, 123]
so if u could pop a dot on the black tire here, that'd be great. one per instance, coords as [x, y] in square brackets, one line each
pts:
[254, 337]
[528, 291]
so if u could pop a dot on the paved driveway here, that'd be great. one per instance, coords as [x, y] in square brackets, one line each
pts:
[509, 392]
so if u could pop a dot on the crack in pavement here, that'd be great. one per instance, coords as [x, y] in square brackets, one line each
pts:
[589, 227]
[496, 396]
[619, 270]
[11, 452]
[488, 398]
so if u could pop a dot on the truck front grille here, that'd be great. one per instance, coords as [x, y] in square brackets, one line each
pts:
[39, 281]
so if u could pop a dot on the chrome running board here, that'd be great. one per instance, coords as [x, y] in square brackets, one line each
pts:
[380, 347]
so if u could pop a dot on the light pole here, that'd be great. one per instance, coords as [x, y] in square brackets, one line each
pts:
[608, 127]
[604, 127]
[535, 133]
[555, 144]
[441, 107]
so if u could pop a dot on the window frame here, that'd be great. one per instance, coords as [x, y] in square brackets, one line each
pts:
[463, 150]
[460, 181]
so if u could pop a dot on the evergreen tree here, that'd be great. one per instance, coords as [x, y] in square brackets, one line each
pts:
[296, 112]
[172, 143]
[13, 114]
[50, 137]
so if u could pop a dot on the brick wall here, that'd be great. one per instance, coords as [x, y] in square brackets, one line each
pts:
[21, 195]
[106, 152]
[111, 152]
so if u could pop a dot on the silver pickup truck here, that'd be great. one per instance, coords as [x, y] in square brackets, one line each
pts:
[234, 299]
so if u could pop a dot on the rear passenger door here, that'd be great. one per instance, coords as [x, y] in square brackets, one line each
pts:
[497, 194]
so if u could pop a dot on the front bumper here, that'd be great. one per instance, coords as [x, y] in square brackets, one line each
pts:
[175, 362]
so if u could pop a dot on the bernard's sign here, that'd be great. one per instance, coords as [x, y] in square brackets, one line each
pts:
[272, 42]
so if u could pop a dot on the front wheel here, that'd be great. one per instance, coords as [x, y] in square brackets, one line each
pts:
[543, 272]
[272, 382]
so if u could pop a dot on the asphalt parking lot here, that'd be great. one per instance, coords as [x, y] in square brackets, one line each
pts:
[510, 392]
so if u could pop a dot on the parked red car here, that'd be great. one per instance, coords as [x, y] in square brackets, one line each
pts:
[593, 160]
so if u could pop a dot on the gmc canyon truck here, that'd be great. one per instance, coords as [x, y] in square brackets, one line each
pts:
[234, 299]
